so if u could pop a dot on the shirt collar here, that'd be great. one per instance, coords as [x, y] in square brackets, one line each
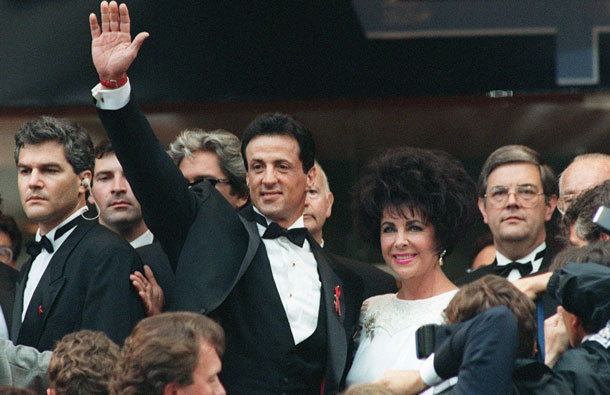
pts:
[299, 223]
[51, 234]
[503, 261]
[145, 238]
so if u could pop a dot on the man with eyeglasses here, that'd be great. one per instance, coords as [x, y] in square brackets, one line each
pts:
[517, 196]
[214, 156]
[585, 172]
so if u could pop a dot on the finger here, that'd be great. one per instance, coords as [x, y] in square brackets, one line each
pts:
[137, 42]
[124, 18]
[105, 12]
[114, 16]
[95, 27]
[150, 275]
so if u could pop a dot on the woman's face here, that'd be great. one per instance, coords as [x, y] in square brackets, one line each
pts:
[408, 244]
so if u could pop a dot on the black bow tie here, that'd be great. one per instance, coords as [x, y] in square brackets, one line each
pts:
[35, 247]
[524, 268]
[296, 235]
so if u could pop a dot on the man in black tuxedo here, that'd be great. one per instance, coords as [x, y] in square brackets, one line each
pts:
[78, 275]
[287, 315]
[517, 196]
[120, 211]
[318, 208]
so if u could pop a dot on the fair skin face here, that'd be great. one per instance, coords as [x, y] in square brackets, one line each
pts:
[119, 209]
[409, 247]
[318, 207]
[485, 257]
[573, 326]
[5, 241]
[276, 179]
[516, 229]
[583, 175]
[205, 375]
[49, 189]
[204, 164]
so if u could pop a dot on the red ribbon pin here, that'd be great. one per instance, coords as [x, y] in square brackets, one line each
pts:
[40, 310]
[337, 303]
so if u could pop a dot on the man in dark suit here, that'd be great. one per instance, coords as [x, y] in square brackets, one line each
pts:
[318, 208]
[120, 211]
[8, 279]
[517, 196]
[288, 316]
[78, 275]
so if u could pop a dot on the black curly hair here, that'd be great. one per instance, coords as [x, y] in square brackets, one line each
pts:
[430, 182]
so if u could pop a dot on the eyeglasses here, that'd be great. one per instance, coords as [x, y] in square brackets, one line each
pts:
[565, 201]
[6, 254]
[526, 195]
[212, 181]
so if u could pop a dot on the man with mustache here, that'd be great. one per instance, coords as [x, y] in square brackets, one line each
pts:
[120, 211]
[77, 276]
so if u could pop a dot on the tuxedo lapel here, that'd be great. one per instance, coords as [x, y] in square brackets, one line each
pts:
[332, 286]
[18, 303]
[48, 288]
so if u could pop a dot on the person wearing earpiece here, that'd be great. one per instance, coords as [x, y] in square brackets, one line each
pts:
[78, 274]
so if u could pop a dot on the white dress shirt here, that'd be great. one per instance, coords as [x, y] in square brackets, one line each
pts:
[41, 262]
[295, 273]
[514, 274]
[144, 239]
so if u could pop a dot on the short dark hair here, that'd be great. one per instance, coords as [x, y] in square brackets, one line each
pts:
[431, 182]
[517, 154]
[224, 144]
[9, 226]
[282, 125]
[596, 252]
[490, 291]
[103, 148]
[77, 143]
[581, 211]
[83, 362]
[164, 349]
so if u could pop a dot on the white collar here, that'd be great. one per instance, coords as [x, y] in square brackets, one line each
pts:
[503, 261]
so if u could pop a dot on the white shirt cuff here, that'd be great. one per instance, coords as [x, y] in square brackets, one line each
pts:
[427, 372]
[111, 99]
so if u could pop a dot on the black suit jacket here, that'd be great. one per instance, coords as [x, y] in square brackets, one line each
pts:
[85, 286]
[8, 279]
[375, 281]
[212, 247]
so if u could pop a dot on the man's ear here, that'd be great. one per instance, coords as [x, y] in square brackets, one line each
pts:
[604, 236]
[483, 209]
[85, 181]
[550, 207]
[170, 388]
[331, 200]
[51, 391]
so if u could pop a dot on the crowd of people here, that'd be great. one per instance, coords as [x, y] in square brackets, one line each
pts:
[202, 270]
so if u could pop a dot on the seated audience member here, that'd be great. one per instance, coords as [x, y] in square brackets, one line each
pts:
[83, 362]
[318, 208]
[171, 353]
[214, 156]
[414, 205]
[577, 223]
[120, 211]
[583, 292]
[585, 172]
[10, 240]
[23, 366]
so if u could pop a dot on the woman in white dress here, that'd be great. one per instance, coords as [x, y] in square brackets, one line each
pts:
[414, 205]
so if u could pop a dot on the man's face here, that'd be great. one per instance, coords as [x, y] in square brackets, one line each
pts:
[204, 164]
[118, 206]
[49, 188]
[579, 177]
[318, 206]
[513, 222]
[205, 376]
[276, 179]
[6, 252]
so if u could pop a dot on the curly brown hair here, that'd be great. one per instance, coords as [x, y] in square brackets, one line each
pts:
[490, 291]
[164, 349]
[83, 362]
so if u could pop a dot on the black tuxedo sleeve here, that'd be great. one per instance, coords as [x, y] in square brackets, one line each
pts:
[481, 352]
[168, 206]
